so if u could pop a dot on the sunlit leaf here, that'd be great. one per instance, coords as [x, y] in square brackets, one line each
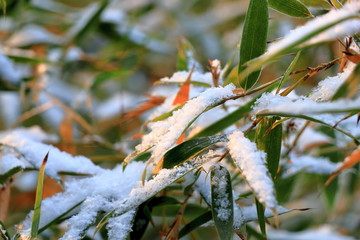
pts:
[270, 143]
[189, 149]
[39, 192]
[253, 41]
[292, 8]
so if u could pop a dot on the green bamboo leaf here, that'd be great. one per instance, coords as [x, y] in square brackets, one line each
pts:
[261, 217]
[286, 75]
[59, 218]
[312, 120]
[284, 187]
[189, 149]
[292, 8]
[253, 40]
[270, 142]
[226, 121]
[3, 232]
[6, 176]
[319, 4]
[143, 215]
[222, 202]
[186, 55]
[38, 199]
[78, 32]
[296, 43]
[194, 224]
[349, 86]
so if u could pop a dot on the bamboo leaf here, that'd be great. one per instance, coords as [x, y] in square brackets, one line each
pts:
[194, 224]
[292, 8]
[270, 143]
[253, 41]
[39, 192]
[290, 43]
[59, 218]
[222, 202]
[186, 56]
[3, 232]
[189, 149]
[319, 4]
[286, 75]
[310, 119]
[226, 121]
[5, 177]
[261, 217]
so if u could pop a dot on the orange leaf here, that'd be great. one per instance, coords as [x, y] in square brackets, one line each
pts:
[67, 135]
[181, 139]
[349, 162]
[184, 91]
[149, 104]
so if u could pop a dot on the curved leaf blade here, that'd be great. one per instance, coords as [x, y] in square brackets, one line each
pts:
[253, 41]
[189, 149]
[292, 8]
[38, 199]
[270, 143]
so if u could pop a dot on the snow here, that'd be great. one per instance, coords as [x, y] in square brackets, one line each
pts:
[269, 103]
[10, 112]
[252, 165]
[220, 183]
[325, 232]
[164, 134]
[327, 88]
[8, 70]
[309, 164]
[98, 193]
[346, 28]
[32, 34]
[27, 143]
[181, 76]
[115, 105]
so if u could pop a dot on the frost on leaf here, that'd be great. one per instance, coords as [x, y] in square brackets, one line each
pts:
[222, 199]
[251, 162]
[98, 193]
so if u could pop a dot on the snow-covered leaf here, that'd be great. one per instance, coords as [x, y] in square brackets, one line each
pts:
[189, 149]
[334, 24]
[251, 162]
[222, 202]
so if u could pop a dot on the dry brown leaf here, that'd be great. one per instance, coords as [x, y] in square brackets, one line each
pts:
[349, 162]
[4, 201]
[183, 94]
[67, 135]
[149, 104]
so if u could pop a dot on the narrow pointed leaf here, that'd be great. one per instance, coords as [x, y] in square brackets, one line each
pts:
[253, 41]
[312, 120]
[261, 218]
[39, 192]
[222, 202]
[286, 75]
[270, 143]
[189, 149]
[6, 176]
[3, 232]
[194, 224]
[186, 56]
[292, 8]
[319, 4]
[183, 95]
